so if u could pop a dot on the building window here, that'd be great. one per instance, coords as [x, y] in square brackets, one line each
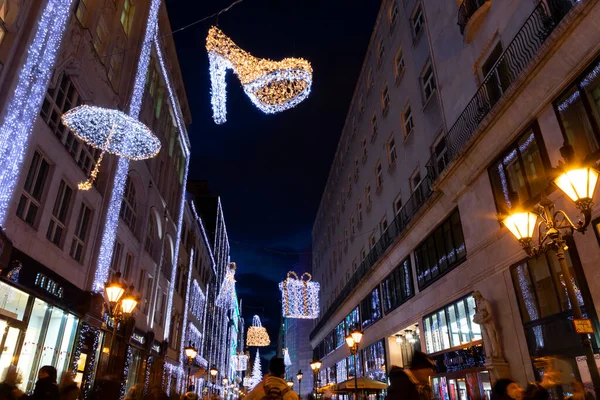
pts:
[101, 37]
[374, 128]
[114, 68]
[354, 265]
[399, 64]
[407, 121]
[428, 82]
[368, 195]
[391, 151]
[82, 12]
[370, 82]
[359, 212]
[115, 262]
[385, 100]
[370, 309]
[361, 107]
[81, 230]
[418, 22]
[578, 111]
[380, 51]
[31, 198]
[352, 226]
[441, 251]
[339, 335]
[346, 238]
[363, 255]
[375, 361]
[129, 205]
[150, 235]
[379, 175]
[148, 294]
[128, 268]
[383, 225]
[440, 153]
[451, 326]
[58, 101]
[372, 240]
[496, 74]
[352, 321]
[397, 287]
[393, 14]
[363, 145]
[518, 177]
[397, 204]
[58, 221]
[415, 181]
[127, 16]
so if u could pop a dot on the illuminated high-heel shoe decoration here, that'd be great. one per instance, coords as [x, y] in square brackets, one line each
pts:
[113, 132]
[273, 86]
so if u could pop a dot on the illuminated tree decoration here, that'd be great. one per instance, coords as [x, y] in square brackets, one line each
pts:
[273, 86]
[257, 334]
[226, 297]
[240, 362]
[286, 358]
[256, 376]
[113, 132]
[300, 296]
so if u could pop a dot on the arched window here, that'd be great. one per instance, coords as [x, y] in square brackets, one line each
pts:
[128, 214]
[150, 235]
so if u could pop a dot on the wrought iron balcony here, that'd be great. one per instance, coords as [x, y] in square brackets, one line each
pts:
[466, 11]
[515, 58]
[397, 227]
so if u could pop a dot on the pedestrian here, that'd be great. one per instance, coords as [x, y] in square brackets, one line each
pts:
[190, 394]
[8, 387]
[412, 383]
[506, 389]
[68, 389]
[46, 387]
[274, 387]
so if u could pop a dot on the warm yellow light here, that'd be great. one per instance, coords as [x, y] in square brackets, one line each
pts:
[129, 302]
[357, 336]
[578, 184]
[190, 352]
[290, 383]
[315, 365]
[225, 380]
[521, 224]
[299, 375]
[213, 372]
[350, 341]
[114, 289]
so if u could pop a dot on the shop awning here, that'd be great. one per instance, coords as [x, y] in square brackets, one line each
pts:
[363, 383]
[330, 387]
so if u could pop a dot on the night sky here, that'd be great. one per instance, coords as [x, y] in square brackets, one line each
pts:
[270, 170]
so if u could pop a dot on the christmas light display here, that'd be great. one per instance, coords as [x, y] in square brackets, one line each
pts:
[128, 360]
[286, 358]
[257, 334]
[240, 362]
[256, 376]
[84, 331]
[26, 99]
[7, 292]
[273, 86]
[226, 296]
[197, 301]
[300, 296]
[112, 132]
[116, 198]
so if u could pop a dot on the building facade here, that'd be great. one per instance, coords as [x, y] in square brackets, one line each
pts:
[470, 119]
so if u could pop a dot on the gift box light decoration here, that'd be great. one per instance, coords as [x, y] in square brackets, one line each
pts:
[273, 86]
[113, 132]
[257, 334]
[226, 297]
[300, 296]
[240, 362]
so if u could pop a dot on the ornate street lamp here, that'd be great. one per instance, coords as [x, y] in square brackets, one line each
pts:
[191, 353]
[213, 373]
[352, 340]
[122, 302]
[299, 377]
[315, 366]
[290, 383]
[579, 183]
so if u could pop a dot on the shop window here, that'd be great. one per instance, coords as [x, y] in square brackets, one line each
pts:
[352, 322]
[518, 177]
[352, 366]
[370, 308]
[329, 343]
[578, 110]
[31, 198]
[374, 356]
[451, 326]
[13, 302]
[129, 206]
[340, 335]
[441, 251]
[397, 287]
[81, 231]
[544, 303]
[56, 227]
[341, 372]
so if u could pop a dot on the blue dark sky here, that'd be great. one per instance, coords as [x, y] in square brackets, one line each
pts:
[270, 170]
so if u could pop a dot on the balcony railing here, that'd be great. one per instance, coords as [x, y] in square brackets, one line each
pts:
[517, 56]
[398, 225]
[466, 11]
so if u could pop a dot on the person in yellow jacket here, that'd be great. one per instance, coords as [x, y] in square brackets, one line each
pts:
[273, 386]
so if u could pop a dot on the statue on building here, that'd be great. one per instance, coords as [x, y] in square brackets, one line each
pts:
[483, 317]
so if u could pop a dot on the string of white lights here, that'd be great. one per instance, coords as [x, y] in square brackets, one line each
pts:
[206, 241]
[226, 296]
[114, 207]
[184, 339]
[197, 301]
[27, 98]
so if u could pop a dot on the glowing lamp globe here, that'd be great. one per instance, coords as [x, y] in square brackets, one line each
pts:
[315, 365]
[290, 383]
[129, 302]
[356, 336]
[114, 289]
[190, 351]
[299, 375]
[579, 184]
[521, 224]
[213, 372]
[350, 341]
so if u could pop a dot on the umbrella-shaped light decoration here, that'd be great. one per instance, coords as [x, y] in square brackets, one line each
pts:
[257, 334]
[273, 86]
[111, 131]
[300, 296]
[226, 297]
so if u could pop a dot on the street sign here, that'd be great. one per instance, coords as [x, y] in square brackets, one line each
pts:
[583, 326]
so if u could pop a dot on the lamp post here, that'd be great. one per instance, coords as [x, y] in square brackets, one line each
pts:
[579, 184]
[122, 303]
[352, 340]
[299, 377]
[213, 374]
[315, 366]
[290, 383]
[190, 353]
[225, 380]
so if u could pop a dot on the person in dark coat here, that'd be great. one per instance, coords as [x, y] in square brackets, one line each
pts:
[412, 383]
[68, 389]
[8, 387]
[46, 387]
